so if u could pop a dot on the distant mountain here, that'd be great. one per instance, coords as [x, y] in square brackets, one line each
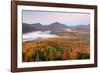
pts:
[27, 28]
[53, 26]
[57, 25]
[32, 27]
[38, 26]
[85, 28]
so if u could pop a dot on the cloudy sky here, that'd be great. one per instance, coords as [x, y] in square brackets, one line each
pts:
[46, 18]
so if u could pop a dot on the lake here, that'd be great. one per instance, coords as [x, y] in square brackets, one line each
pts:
[38, 35]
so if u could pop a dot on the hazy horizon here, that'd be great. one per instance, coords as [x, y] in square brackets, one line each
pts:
[48, 17]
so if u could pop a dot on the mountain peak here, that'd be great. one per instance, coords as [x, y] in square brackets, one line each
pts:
[36, 24]
[56, 23]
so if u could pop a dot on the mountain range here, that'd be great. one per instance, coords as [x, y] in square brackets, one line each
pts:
[53, 26]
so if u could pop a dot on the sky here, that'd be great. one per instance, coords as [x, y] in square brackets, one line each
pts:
[47, 17]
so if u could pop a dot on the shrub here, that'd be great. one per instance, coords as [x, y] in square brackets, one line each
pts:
[83, 56]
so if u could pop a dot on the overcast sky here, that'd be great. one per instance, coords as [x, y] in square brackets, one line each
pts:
[46, 18]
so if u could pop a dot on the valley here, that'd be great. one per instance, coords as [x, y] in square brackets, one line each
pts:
[55, 45]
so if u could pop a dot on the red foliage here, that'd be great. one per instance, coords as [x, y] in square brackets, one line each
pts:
[65, 56]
